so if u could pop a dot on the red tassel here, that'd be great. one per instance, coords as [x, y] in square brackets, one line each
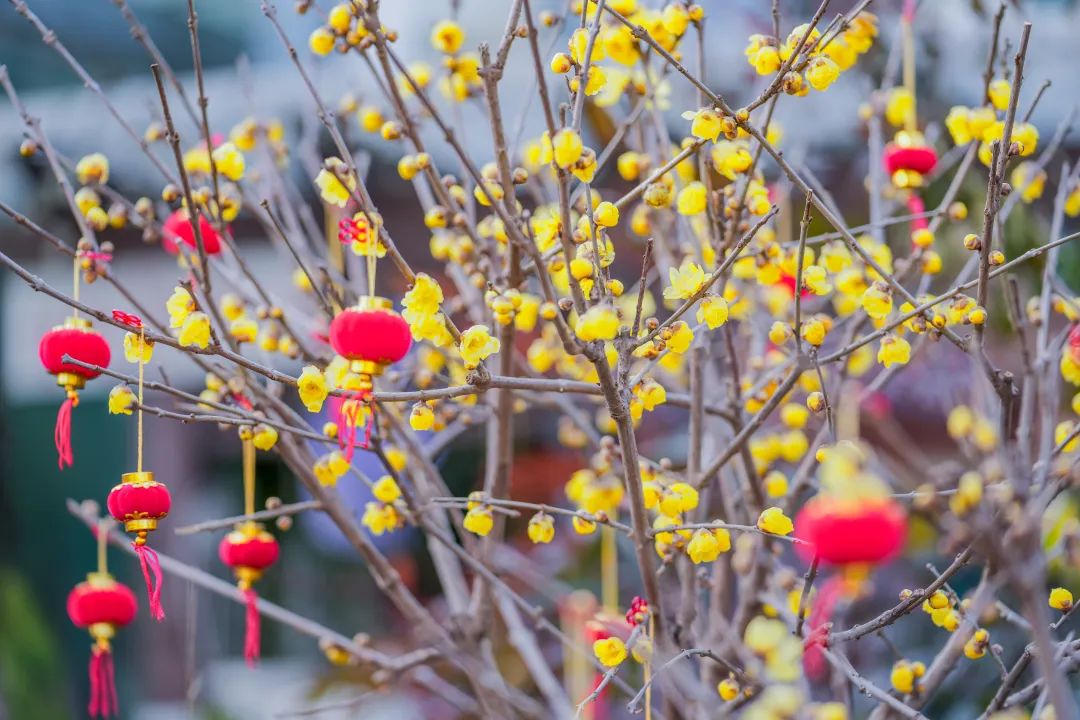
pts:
[148, 559]
[62, 434]
[916, 207]
[103, 700]
[252, 631]
[818, 623]
[351, 410]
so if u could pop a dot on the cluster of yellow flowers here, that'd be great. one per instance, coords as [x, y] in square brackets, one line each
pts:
[192, 326]
[819, 61]
[260, 326]
[382, 516]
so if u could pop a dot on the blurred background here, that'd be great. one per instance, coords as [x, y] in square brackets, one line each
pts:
[191, 665]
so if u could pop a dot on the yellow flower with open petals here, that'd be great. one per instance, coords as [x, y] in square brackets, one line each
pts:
[704, 124]
[386, 490]
[773, 520]
[312, 388]
[685, 281]
[424, 298]
[566, 147]
[541, 528]
[92, 168]
[332, 190]
[195, 331]
[136, 347]
[611, 652]
[121, 398]
[600, 322]
[713, 311]
[229, 161]
[447, 37]
[179, 305]
[479, 520]
[893, 350]
[476, 344]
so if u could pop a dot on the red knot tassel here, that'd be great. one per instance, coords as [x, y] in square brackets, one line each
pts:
[819, 625]
[148, 559]
[916, 207]
[352, 410]
[251, 630]
[62, 434]
[103, 701]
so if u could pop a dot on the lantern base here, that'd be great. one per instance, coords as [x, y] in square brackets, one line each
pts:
[102, 632]
[246, 576]
[70, 381]
[141, 526]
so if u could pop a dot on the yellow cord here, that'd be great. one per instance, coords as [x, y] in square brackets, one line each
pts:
[648, 674]
[249, 476]
[909, 71]
[609, 569]
[102, 540]
[142, 363]
[372, 255]
[75, 283]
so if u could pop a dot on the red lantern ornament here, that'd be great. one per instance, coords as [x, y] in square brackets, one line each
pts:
[139, 502]
[101, 605]
[908, 158]
[177, 229]
[76, 339]
[249, 550]
[843, 532]
[371, 336]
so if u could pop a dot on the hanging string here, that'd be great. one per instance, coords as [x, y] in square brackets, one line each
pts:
[102, 546]
[648, 672]
[249, 476]
[907, 19]
[609, 569]
[142, 358]
[75, 281]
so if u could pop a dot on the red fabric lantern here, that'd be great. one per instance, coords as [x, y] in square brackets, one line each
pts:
[847, 532]
[140, 502]
[249, 550]
[101, 605]
[76, 339]
[177, 229]
[1074, 343]
[908, 158]
[371, 336]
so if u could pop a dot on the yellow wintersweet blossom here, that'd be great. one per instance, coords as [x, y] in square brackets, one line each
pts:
[705, 124]
[713, 311]
[606, 214]
[998, 92]
[179, 305]
[706, 545]
[893, 350]
[424, 298]
[566, 147]
[311, 385]
[244, 329]
[1061, 599]
[92, 169]
[421, 417]
[229, 161]
[447, 37]
[330, 187]
[600, 322]
[380, 518]
[877, 301]
[137, 347]
[321, 41]
[681, 337]
[541, 528]
[900, 106]
[692, 199]
[386, 490]
[611, 652]
[195, 331]
[685, 281]
[264, 437]
[822, 72]
[476, 344]
[904, 674]
[121, 398]
[731, 158]
[479, 520]
[773, 520]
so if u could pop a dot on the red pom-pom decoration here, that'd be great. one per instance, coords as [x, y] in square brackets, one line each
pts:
[908, 158]
[101, 605]
[843, 532]
[177, 229]
[76, 339]
[140, 502]
[372, 334]
[249, 550]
